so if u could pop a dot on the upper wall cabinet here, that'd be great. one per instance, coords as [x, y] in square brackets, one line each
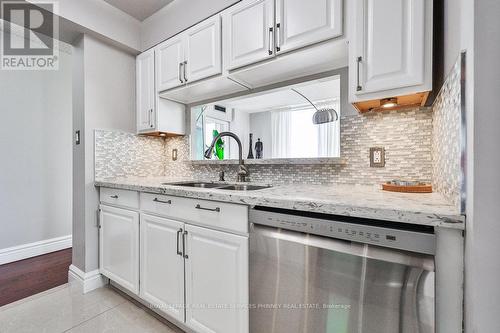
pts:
[146, 94]
[391, 52]
[300, 23]
[254, 31]
[169, 64]
[248, 32]
[193, 55]
[156, 115]
[203, 50]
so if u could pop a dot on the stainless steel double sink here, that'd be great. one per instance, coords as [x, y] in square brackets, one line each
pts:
[221, 186]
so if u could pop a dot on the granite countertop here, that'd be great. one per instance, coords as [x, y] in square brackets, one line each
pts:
[338, 199]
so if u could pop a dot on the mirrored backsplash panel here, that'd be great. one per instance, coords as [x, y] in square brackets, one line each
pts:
[295, 122]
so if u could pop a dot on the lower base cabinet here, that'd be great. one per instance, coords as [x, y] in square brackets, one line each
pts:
[162, 265]
[216, 281]
[196, 275]
[119, 246]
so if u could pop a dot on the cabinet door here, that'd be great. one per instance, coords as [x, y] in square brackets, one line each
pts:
[216, 274]
[145, 86]
[248, 33]
[390, 45]
[119, 246]
[170, 64]
[162, 265]
[300, 23]
[203, 49]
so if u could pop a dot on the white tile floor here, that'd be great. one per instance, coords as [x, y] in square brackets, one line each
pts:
[64, 309]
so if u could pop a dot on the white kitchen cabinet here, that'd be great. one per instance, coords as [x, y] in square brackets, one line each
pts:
[162, 264]
[146, 94]
[391, 53]
[248, 33]
[170, 64]
[119, 246]
[216, 274]
[300, 23]
[193, 55]
[203, 49]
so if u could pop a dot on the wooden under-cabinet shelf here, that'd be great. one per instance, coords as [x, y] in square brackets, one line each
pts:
[403, 102]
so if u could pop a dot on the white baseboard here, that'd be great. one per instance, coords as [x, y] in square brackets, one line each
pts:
[24, 251]
[86, 281]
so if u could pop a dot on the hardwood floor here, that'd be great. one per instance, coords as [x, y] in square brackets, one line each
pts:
[30, 276]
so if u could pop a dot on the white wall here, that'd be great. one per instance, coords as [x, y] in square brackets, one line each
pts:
[99, 17]
[483, 212]
[106, 99]
[35, 145]
[176, 17]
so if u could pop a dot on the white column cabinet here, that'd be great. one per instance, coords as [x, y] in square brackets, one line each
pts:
[170, 64]
[300, 23]
[193, 55]
[248, 33]
[392, 48]
[119, 246]
[146, 94]
[216, 273]
[162, 264]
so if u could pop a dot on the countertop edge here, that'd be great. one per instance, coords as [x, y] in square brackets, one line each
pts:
[400, 216]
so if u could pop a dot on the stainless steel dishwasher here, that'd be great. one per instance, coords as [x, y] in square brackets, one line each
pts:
[315, 273]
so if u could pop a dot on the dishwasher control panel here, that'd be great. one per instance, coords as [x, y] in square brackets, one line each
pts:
[357, 232]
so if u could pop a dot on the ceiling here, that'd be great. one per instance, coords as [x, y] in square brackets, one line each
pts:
[140, 9]
[319, 90]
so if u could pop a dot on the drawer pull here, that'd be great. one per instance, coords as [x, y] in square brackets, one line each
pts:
[114, 196]
[178, 234]
[217, 209]
[160, 201]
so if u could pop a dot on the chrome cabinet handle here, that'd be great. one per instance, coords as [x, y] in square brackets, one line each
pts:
[270, 41]
[185, 65]
[160, 201]
[358, 61]
[114, 196]
[278, 37]
[180, 71]
[217, 209]
[151, 118]
[184, 241]
[177, 248]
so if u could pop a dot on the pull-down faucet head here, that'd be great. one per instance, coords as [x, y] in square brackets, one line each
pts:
[242, 169]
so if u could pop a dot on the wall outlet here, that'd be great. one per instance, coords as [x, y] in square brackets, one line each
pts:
[377, 157]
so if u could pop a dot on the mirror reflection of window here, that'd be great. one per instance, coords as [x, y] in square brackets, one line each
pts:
[213, 126]
[295, 136]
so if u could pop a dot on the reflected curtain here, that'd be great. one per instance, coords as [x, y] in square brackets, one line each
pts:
[328, 137]
[281, 134]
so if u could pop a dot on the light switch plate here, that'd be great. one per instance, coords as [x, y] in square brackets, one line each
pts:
[377, 157]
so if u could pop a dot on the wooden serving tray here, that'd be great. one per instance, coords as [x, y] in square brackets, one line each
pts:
[407, 189]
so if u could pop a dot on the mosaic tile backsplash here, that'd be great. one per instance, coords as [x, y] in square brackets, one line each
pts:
[405, 135]
[446, 138]
[121, 154]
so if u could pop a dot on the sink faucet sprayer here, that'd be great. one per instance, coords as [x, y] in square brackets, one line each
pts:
[242, 169]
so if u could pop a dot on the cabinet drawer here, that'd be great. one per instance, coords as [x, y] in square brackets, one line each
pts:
[214, 214]
[118, 197]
